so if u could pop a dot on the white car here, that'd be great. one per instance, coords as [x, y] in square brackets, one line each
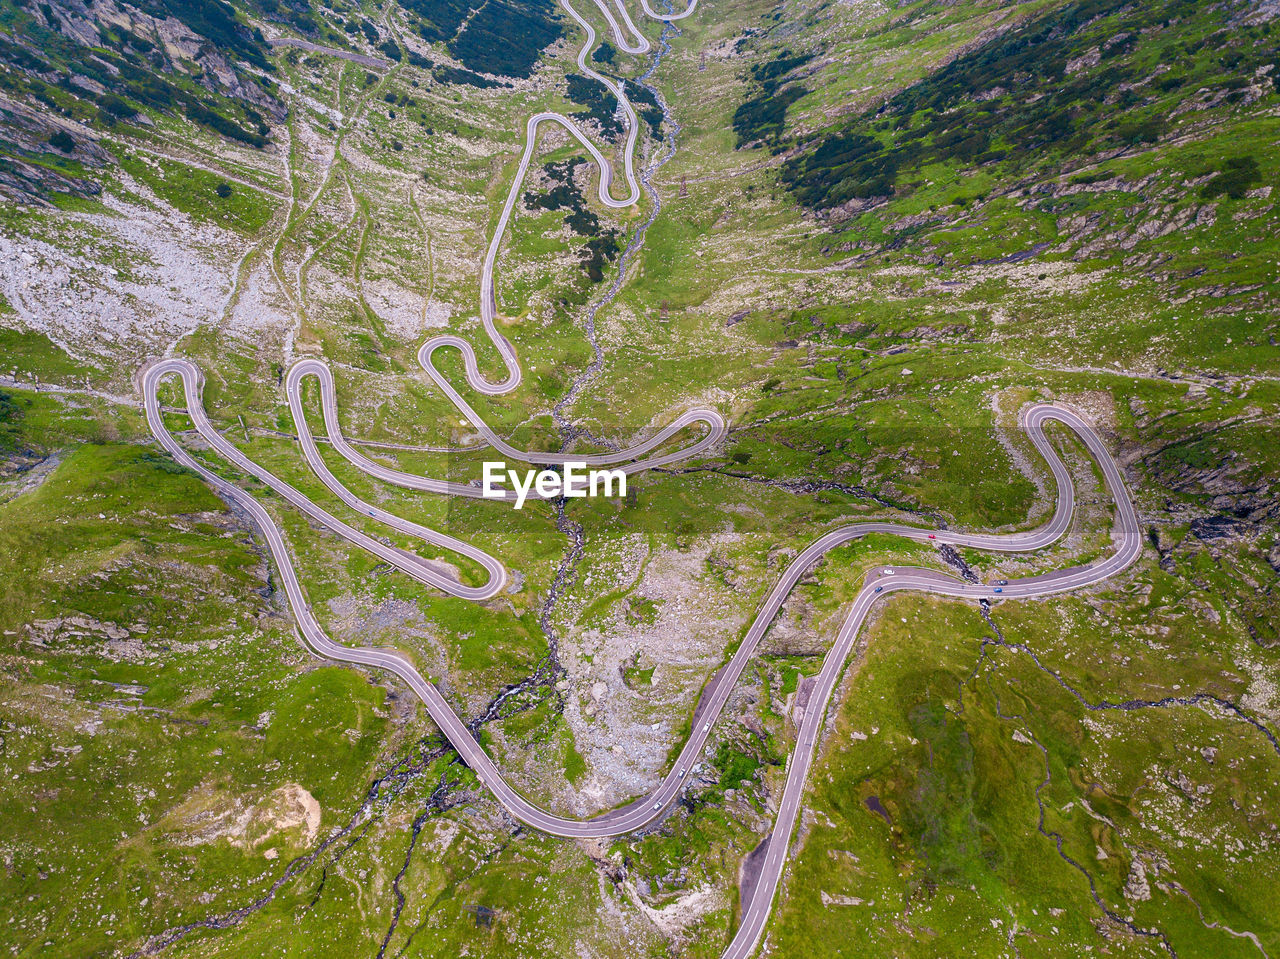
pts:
[680, 775]
[706, 727]
[657, 805]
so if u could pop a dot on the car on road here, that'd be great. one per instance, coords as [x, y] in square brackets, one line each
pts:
[680, 775]
[1003, 582]
[657, 805]
[879, 589]
[886, 572]
[933, 535]
[999, 589]
[706, 727]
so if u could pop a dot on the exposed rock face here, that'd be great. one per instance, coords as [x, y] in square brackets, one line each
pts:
[1229, 505]
[1137, 889]
[114, 57]
[208, 815]
[1245, 502]
[20, 180]
[175, 46]
[1209, 528]
[29, 132]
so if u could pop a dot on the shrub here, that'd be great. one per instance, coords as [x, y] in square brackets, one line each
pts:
[602, 106]
[1142, 131]
[113, 105]
[1234, 179]
[62, 141]
[223, 125]
[764, 117]
[223, 190]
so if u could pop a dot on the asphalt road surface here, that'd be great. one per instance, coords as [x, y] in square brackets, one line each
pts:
[645, 810]
[631, 460]
[363, 59]
[644, 455]
[488, 302]
[1127, 536]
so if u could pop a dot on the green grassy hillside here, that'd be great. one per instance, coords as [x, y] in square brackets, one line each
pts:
[884, 229]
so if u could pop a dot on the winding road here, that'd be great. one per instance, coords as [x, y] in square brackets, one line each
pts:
[879, 583]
